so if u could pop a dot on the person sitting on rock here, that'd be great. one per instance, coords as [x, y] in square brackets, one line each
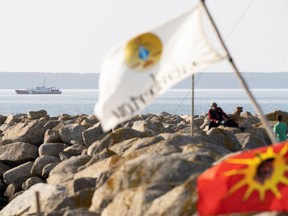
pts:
[280, 129]
[216, 115]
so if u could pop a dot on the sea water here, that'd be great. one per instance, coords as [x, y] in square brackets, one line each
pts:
[174, 101]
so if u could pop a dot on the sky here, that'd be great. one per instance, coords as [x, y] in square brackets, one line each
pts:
[75, 35]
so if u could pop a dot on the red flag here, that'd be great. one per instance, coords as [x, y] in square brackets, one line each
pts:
[252, 181]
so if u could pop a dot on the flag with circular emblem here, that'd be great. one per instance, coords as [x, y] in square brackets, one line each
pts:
[134, 73]
[251, 181]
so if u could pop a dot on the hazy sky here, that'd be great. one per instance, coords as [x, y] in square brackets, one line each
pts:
[75, 35]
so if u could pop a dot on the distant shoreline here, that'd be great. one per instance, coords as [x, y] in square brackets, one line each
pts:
[208, 80]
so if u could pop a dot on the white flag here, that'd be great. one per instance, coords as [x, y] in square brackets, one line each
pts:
[136, 72]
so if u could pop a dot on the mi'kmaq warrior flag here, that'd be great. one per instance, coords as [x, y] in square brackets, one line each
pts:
[251, 181]
[136, 72]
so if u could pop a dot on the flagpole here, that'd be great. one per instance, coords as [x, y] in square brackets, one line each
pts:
[192, 117]
[263, 118]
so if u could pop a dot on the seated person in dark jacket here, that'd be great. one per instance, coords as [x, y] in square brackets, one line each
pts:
[216, 115]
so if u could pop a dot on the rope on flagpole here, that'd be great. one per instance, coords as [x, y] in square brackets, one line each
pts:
[257, 108]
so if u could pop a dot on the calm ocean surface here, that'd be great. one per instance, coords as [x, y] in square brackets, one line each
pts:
[174, 101]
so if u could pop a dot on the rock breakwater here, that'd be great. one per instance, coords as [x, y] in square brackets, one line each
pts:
[146, 166]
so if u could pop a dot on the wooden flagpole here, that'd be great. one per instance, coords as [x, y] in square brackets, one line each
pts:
[263, 118]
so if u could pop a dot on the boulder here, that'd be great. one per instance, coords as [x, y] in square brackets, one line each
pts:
[135, 201]
[50, 196]
[181, 200]
[41, 162]
[101, 168]
[82, 183]
[273, 116]
[51, 149]
[31, 132]
[47, 169]
[72, 134]
[18, 153]
[51, 124]
[51, 136]
[79, 212]
[74, 150]
[20, 172]
[13, 189]
[92, 134]
[31, 181]
[225, 138]
[148, 128]
[131, 145]
[37, 114]
[251, 140]
[146, 169]
[66, 170]
[114, 137]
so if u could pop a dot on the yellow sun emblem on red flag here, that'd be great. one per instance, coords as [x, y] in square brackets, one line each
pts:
[143, 51]
[263, 172]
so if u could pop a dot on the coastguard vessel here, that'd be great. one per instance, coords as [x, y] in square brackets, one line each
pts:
[43, 89]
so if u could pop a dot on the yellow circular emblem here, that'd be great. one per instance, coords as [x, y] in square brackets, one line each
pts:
[143, 51]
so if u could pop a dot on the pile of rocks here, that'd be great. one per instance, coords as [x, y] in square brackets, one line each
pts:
[146, 166]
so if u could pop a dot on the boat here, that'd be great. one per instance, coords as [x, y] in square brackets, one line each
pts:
[43, 89]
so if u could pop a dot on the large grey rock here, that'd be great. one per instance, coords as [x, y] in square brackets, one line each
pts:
[31, 132]
[51, 149]
[41, 162]
[181, 200]
[11, 120]
[160, 148]
[51, 124]
[72, 134]
[66, 170]
[31, 181]
[214, 151]
[273, 116]
[146, 169]
[18, 152]
[81, 199]
[19, 172]
[132, 145]
[251, 140]
[82, 183]
[13, 189]
[92, 134]
[100, 168]
[51, 136]
[136, 201]
[116, 136]
[225, 138]
[37, 114]
[148, 128]
[74, 150]
[50, 196]
[249, 121]
[47, 168]
[79, 212]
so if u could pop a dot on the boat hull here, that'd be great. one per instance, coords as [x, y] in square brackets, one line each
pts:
[24, 91]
